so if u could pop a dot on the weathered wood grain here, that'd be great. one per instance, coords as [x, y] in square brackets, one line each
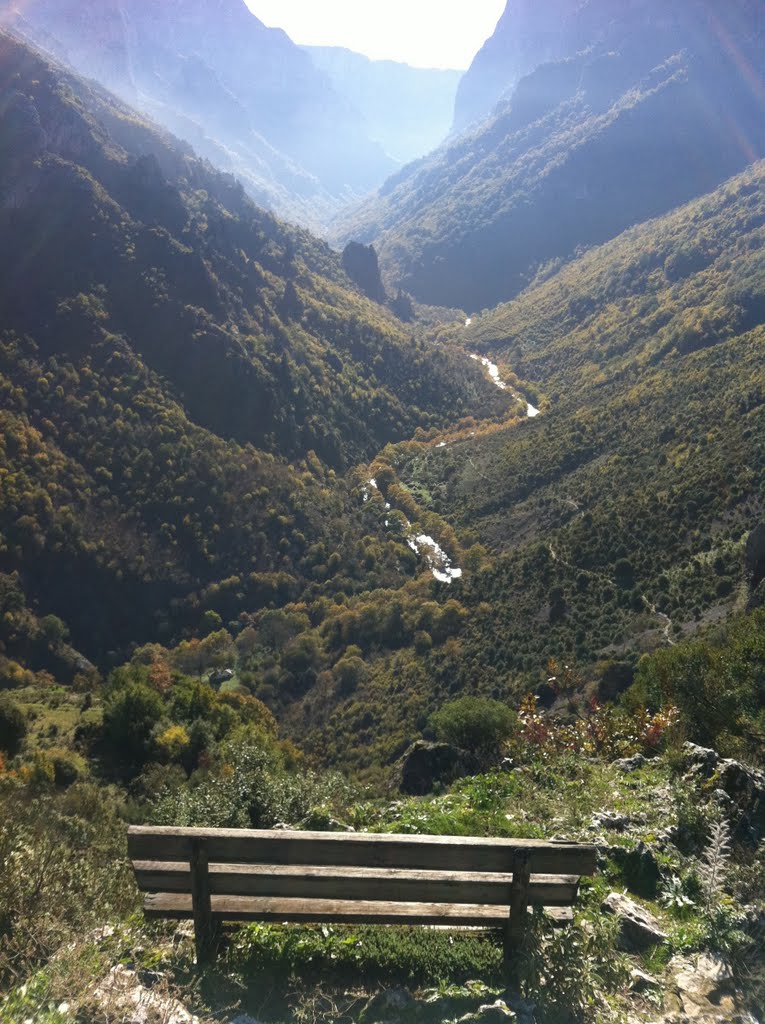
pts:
[396, 884]
[444, 853]
[248, 908]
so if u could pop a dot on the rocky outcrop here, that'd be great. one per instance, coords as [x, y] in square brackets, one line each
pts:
[701, 989]
[473, 1003]
[361, 265]
[638, 928]
[427, 765]
[630, 764]
[123, 996]
[744, 786]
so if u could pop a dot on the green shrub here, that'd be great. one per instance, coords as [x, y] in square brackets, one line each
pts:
[129, 718]
[476, 724]
[13, 725]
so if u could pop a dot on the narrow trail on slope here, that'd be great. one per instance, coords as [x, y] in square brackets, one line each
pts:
[668, 624]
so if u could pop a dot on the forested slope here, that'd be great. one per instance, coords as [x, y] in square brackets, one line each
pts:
[616, 521]
[166, 348]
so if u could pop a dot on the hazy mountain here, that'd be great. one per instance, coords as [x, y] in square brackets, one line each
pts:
[407, 110]
[584, 148]
[528, 34]
[243, 94]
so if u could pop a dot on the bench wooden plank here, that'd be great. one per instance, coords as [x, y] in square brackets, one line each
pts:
[447, 853]
[297, 911]
[330, 883]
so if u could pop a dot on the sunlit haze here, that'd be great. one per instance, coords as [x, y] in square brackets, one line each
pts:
[424, 33]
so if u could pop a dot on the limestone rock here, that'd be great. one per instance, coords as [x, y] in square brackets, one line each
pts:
[642, 982]
[700, 759]
[638, 929]
[124, 997]
[702, 989]
[219, 676]
[610, 820]
[745, 786]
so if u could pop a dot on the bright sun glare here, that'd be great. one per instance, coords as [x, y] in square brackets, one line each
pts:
[424, 33]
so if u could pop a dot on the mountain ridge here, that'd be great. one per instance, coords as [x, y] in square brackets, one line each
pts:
[584, 148]
[243, 93]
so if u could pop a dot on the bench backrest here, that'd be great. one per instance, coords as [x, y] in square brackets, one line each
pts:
[366, 866]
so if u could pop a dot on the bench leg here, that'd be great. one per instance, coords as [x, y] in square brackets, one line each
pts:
[206, 930]
[517, 926]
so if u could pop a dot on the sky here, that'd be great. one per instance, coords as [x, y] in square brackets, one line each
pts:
[424, 33]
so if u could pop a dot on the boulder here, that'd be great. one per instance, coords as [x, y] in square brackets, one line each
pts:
[638, 929]
[427, 765]
[701, 760]
[219, 676]
[746, 788]
[610, 820]
[642, 982]
[702, 988]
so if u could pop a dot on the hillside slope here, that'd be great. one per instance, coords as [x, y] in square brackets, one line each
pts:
[613, 523]
[166, 347]
[584, 148]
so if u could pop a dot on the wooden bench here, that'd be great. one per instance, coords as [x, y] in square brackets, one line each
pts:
[216, 875]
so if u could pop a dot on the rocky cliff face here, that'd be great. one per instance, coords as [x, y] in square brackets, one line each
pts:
[242, 93]
[527, 35]
[530, 34]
